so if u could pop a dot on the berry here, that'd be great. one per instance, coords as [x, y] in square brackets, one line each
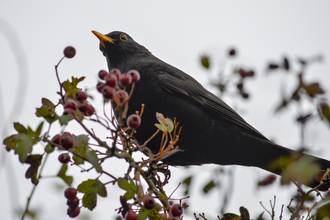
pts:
[64, 158]
[57, 139]
[69, 52]
[111, 80]
[103, 74]
[70, 193]
[99, 86]
[131, 215]
[125, 80]
[69, 111]
[268, 180]
[120, 97]
[73, 203]
[67, 142]
[108, 92]
[245, 95]
[134, 121]
[66, 134]
[90, 110]
[135, 75]
[149, 202]
[240, 86]
[80, 95]
[73, 212]
[176, 210]
[71, 105]
[83, 106]
[232, 52]
[170, 217]
[115, 72]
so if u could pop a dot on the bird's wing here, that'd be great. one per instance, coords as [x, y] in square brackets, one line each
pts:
[175, 81]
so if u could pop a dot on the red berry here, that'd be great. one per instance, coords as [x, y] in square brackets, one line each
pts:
[69, 52]
[120, 97]
[176, 210]
[108, 92]
[245, 95]
[57, 139]
[70, 193]
[80, 95]
[240, 86]
[83, 106]
[69, 111]
[67, 142]
[111, 80]
[64, 158]
[131, 215]
[125, 80]
[134, 121]
[103, 74]
[116, 72]
[135, 75]
[73, 203]
[66, 134]
[99, 86]
[90, 110]
[232, 52]
[73, 212]
[71, 105]
[149, 202]
[268, 180]
[170, 217]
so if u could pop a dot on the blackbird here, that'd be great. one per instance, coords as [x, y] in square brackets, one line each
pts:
[212, 132]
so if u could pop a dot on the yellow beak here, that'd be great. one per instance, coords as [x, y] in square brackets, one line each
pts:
[103, 38]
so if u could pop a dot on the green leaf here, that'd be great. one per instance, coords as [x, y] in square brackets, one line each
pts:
[10, 142]
[67, 179]
[32, 172]
[128, 186]
[205, 61]
[46, 113]
[64, 119]
[167, 124]
[24, 146]
[77, 160]
[47, 103]
[82, 138]
[49, 148]
[20, 128]
[94, 160]
[210, 185]
[91, 188]
[71, 87]
[143, 213]
[36, 133]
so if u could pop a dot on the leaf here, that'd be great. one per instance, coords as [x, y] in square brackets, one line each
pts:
[47, 103]
[205, 61]
[20, 128]
[128, 186]
[187, 183]
[49, 148]
[32, 172]
[324, 111]
[323, 212]
[10, 142]
[91, 188]
[36, 133]
[167, 124]
[244, 213]
[230, 216]
[94, 160]
[64, 119]
[71, 87]
[24, 145]
[48, 114]
[313, 89]
[77, 160]
[209, 186]
[61, 174]
[82, 138]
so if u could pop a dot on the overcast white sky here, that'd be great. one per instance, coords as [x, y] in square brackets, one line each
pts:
[178, 32]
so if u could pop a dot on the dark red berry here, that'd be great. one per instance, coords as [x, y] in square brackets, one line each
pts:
[134, 121]
[57, 139]
[67, 142]
[64, 158]
[69, 52]
[170, 217]
[70, 193]
[131, 215]
[149, 202]
[73, 212]
[83, 106]
[90, 110]
[108, 92]
[176, 210]
[68, 111]
[71, 105]
[240, 86]
[80, 95]
[99, 86]
[135, 75]
[245, 95]
[120, 97]
[116, 72]
[73, 203]
[232, 52]
[268, 180]
[66, 134]
[111, 80]
[125, 80]
[103, 74]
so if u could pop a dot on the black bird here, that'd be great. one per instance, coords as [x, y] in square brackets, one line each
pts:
[212, 132]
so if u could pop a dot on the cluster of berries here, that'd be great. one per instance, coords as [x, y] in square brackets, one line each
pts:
[243, 74]
[79, 103]
[73, 202]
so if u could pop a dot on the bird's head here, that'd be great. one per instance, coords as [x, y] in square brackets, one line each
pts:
[118, 47]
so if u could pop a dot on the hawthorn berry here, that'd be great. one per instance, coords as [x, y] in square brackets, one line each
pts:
[111, 80]
[125, 79]
[108, 92]
[232, 52]
[131, 215]
[73, 203]
[176, 210]
[149, 202]
[99, 86]
[68, 111]
[135, 75]
[67, 142]
[69, 52]
[64, 158]
[90, 110]
[120, 97]
[57, 139]
[82, 106]
[102, 74]
[80, 95]
[245, 95]
[268, 180]
[71, 105]
[70, 193]
[134, 121]
[66, 134]
[116, 72]
[239, 86]
[73, 212]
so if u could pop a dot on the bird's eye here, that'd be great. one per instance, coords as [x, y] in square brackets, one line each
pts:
[123, 37]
